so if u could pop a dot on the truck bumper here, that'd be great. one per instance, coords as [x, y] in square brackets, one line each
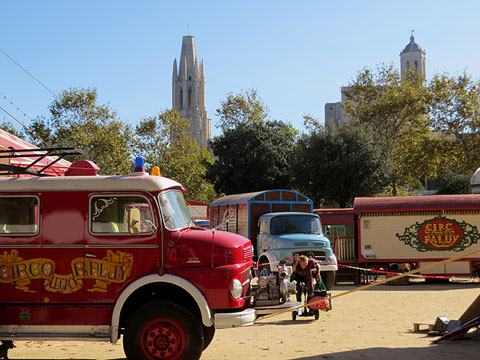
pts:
[328, 267]
[229, 320]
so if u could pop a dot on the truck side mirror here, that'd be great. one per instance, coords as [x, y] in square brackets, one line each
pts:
[327, 230]
[134, 221]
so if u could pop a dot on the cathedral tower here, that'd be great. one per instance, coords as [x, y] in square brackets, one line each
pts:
[413, 57]
[188, 92]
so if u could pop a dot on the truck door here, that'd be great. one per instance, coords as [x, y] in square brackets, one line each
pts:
[21, 268]
[63, 218]
[121, 244]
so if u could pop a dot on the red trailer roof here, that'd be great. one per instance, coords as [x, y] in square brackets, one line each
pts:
[8, 140]
[417, 203]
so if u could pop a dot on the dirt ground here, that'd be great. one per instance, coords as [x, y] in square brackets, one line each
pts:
[375, 323]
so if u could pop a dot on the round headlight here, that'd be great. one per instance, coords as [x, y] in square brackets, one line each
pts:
[236, 289]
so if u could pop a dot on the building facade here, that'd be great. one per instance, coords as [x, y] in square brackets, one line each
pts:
[412, 57]
[188, 92]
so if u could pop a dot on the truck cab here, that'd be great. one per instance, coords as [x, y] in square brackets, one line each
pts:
[100, 257]
[282, 234]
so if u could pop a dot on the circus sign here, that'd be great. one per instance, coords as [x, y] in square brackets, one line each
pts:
[113, 268]
[439, 234]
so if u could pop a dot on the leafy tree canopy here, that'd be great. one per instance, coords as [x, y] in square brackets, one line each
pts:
[332, 167]
[77, 120]
[241, 108]
[163, 141]
[450, 182]
[253, 156]
[455, 113]
[388, 102]
[396, 107]
[8, 127]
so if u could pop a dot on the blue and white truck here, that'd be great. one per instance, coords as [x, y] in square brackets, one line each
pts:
[279, 223]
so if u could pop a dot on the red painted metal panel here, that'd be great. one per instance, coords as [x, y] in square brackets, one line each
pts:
[56, 314]
[417, 203]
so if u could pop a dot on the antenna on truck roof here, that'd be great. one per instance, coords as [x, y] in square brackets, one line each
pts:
[35, 167]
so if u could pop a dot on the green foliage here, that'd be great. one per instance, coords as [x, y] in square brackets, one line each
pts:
[455, 110]
[420, 155]
[332, 167]
[78, 121]
[8, 127]
[41, 133]
[241, 108]
[253, 156]
[396, 107]
[387, 102]
[450, 182]
[163, 140]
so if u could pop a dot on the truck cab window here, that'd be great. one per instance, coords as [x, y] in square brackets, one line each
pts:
[263, 227]
[110, 214]
[174, 210]
[18, 215]
[295, 224]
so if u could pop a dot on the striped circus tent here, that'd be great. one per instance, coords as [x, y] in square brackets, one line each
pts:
[24, 154]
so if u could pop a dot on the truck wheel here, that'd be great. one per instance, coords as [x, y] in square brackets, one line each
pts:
[162, 330]
[208, 333]
[328, 278]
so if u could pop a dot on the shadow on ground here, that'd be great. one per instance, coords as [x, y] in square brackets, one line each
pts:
[458, 349]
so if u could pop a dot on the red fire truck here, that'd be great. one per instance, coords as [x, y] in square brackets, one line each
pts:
[99, 257]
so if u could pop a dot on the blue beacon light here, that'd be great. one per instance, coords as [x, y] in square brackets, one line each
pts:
[139, 164]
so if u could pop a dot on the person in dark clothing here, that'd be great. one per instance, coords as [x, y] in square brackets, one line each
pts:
[302, 273]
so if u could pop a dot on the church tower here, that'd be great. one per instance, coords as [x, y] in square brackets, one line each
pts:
[413, 57]
[188, 92]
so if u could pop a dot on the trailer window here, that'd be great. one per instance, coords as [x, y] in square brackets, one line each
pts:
[109, 214]
[18, 215]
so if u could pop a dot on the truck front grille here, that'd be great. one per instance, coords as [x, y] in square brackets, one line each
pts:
[316, 254]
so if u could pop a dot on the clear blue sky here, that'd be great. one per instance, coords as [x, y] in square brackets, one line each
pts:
[297, 55]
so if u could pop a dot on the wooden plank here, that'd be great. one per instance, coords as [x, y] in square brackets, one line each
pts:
[416, 327]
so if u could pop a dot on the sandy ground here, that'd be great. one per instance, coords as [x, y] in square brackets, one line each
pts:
[376, 323]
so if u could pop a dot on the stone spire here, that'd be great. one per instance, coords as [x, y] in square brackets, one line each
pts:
[188, 92]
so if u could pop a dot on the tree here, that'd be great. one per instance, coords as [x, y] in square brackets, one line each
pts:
[449, 182]
[241, 108]
[395, 107]
[253, 156]
[163, 141]
[455, 111]
[335, 165]
[78, 121]
[8, 127]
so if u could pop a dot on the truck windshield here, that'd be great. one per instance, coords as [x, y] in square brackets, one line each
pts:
[295, 224]
[174, 210]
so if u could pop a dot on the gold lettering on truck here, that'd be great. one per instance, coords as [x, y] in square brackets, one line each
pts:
[113, 268]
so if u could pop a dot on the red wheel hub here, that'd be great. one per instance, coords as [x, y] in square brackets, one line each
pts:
[163, 339]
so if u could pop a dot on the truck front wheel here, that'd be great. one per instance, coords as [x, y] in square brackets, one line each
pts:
[328, 278]
[208, 333]
[162, 330]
